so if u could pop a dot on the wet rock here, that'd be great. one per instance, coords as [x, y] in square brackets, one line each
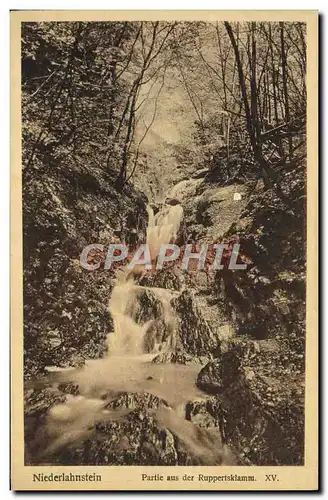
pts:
[259, 406]
[179, 357]
[154, 207]
[148, 438]
[140, 429]
[170, 279]
[37, 404]
[172, 201]
[134, 440]
[205, 413]
[142, 401]
[159, 334]
[195, 335]
[210, 378]
[270, 423]
[154, 310]
[69, 388]
[147, 307]
[233, 363]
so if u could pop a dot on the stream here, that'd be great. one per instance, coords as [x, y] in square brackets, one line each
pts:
[129, 367]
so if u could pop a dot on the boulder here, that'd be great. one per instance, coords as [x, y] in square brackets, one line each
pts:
[210, 378]
[195, 335]
[205, 413]
[258, 404]
[179, 357]
[172, 201]
[141, 401]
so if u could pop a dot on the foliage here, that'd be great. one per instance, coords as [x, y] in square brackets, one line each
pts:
[250, 103]
[72, 100]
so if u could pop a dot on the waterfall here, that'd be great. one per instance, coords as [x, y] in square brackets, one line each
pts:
[163, 227]
[127, 337]
[128, 369]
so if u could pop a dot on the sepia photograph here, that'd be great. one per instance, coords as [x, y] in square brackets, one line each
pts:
[164, 191]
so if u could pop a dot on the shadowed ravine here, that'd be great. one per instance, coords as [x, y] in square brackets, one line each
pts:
[163, 132]
[180, 384]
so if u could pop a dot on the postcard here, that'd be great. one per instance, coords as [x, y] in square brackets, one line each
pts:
[164, 243]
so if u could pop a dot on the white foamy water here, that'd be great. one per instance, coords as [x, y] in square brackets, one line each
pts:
[104, 380]
[174, 383]
[127, 337]
[163, 227]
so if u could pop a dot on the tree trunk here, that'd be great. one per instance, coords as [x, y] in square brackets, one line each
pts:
[250, 111]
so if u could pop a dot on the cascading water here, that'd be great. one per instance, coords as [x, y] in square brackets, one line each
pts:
[128, 367]
[127, 338]
[163, 227]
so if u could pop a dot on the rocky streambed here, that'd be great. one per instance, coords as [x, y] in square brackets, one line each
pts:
[202, 390]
